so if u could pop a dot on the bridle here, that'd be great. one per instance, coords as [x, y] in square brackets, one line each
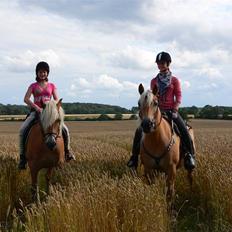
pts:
[153, 124]
[55, 135]
[157, 157]
[47, 134]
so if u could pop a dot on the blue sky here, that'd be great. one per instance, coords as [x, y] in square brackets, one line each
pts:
[100, 50]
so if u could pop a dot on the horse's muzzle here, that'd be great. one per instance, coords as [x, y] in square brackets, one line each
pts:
[147, 125]
[50, 142]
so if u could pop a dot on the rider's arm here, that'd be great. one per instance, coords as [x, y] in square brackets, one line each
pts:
[54, 92]
[177, 94]
[153, 83]
[28, 101]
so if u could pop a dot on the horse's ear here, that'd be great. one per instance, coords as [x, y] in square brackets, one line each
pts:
[59, 103]
[141, 89]
[155, 90]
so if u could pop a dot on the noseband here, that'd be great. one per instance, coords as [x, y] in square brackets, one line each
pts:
[152, 122]
[55, 135]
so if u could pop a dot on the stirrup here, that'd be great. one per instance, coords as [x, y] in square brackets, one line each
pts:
[133, 162]
[189, 162]
[22, 165]
[69, 156]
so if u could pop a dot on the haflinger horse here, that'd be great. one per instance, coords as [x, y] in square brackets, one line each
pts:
[45, 144]
[160, 145]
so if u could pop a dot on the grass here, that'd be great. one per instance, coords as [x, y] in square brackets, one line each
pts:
[99, 193]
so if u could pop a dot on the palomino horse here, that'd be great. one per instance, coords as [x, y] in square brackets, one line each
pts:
[160, 145]
[45, 145]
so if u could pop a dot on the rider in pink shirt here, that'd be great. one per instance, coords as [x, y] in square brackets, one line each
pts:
[42, 92]
[169, 102]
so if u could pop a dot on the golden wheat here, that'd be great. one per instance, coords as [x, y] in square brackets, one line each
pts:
[99, 193]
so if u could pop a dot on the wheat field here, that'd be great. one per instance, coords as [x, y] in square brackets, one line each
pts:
[98, 192]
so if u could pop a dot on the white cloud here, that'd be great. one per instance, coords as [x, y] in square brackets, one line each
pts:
[207, 87]
[210, 72]
[103, 86]
[106, 82]
[27, 60]
[134, 58]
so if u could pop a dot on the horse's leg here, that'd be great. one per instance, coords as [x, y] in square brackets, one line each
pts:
[34, 185]
[171, 176]
[48, 177]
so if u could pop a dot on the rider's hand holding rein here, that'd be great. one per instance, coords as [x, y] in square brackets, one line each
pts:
[174, 114]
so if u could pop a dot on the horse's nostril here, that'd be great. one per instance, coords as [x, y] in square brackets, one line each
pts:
[51, 142]
[146, 125]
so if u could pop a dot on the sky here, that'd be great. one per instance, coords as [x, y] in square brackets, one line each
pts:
[99, 51]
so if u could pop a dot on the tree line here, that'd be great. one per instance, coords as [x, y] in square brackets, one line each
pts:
[207, 112]
[69, 108]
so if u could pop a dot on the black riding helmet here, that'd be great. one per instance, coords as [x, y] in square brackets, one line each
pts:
[42, 65]
[163, 57]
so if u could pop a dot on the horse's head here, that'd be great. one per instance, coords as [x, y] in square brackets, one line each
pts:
[52, 118]
[148, 109]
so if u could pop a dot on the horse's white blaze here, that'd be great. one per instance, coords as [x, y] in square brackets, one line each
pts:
[146, 98]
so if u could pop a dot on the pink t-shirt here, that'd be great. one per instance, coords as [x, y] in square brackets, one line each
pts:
[41, 94]
[172, 97]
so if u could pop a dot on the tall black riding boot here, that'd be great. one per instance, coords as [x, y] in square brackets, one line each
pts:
[23, 160]
[68, 154]
[133, 162]
[189, 158]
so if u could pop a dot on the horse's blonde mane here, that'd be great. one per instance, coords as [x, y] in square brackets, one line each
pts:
[50, 114]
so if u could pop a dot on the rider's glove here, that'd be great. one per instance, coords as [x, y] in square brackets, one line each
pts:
[174, 114]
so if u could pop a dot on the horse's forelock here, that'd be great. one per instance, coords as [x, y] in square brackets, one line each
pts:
[50, 114]
[146, 98]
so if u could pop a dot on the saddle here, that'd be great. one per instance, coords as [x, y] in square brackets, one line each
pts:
[32, 123]
[167, 116]
[172, 124]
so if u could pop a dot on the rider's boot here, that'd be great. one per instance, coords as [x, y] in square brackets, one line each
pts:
[69, 155]
[189, 161]
[22, 164]
[23, 160]
[133, 162]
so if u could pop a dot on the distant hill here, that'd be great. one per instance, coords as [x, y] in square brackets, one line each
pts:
[69, 108]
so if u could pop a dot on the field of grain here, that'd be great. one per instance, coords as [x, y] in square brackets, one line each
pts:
[97, 192]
